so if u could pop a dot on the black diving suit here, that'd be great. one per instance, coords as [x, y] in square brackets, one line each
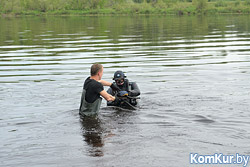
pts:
[131, 98]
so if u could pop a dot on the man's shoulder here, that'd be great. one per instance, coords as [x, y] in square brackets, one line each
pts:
[99, 84]
[87, 80]
[95, 83]
[92, 82]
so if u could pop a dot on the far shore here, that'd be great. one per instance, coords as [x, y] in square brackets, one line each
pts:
[160, 7]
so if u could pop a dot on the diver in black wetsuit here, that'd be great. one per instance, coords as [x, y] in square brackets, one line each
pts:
[129, 91]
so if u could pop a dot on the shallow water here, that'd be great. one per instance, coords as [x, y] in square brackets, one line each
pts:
[193, 73]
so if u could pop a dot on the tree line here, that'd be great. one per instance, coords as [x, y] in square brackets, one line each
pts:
[121, 6]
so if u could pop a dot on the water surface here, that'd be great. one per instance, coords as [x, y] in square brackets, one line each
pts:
[193, 73]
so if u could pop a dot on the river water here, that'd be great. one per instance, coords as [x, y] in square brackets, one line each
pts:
[193, 73]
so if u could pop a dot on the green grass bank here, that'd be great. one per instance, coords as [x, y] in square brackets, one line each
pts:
[127, 7]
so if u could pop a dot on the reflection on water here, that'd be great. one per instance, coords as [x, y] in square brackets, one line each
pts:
[98, 130]
[193, 72]
[93, 134]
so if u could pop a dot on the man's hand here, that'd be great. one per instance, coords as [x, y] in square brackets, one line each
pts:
[107, 96]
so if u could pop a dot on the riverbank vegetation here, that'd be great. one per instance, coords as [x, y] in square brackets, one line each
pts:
[86, 7]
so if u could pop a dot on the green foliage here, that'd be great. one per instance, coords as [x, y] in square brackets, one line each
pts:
[247, 2]
[138, 1]
[237, 3]
[36, 7]
[221, 3]
[160, 5]
[200, 5]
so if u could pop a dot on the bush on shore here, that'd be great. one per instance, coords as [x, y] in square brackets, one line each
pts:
[83, 7]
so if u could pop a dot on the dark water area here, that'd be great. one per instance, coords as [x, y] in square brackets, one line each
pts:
[193, 73]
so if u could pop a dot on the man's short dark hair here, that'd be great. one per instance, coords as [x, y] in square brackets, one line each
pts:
[95, 68]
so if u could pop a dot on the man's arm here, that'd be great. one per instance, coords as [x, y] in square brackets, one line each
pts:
[107, 96]
[111, 92]
[105, 83]
[112, 85]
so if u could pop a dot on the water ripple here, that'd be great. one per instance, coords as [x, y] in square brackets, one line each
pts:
[193, 73]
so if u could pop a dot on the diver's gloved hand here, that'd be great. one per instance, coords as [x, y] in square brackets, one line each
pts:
[115, 87]
[117, 101]
[122, 94]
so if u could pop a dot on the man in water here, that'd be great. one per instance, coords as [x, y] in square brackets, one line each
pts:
[127, 95]
[93, 89]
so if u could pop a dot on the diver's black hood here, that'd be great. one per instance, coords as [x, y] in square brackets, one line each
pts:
[119, 75]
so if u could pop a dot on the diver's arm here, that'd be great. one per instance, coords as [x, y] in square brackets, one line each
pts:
[135, 91]
[110, 91]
